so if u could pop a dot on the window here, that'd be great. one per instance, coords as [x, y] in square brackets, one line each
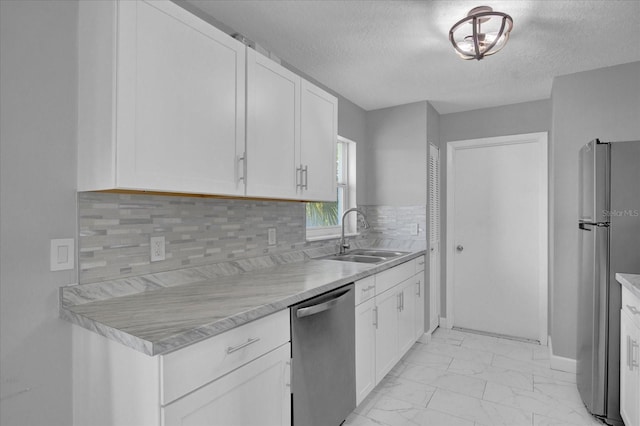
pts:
[323, 219]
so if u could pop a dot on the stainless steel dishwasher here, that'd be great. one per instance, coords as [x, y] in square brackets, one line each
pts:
[323, 352]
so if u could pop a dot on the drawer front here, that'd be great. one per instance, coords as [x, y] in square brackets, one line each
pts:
[189, 368]
[420, 263]
[365, 289]
[394, 276]
[631, 305]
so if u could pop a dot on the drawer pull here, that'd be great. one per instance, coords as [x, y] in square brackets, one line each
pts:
[232, 349]
[634, 310]
[371, 287]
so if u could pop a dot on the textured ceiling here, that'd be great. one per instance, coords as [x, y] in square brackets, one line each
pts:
[383, 53]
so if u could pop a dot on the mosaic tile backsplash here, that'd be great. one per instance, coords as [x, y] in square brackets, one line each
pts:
[115, 230]
[396, 222]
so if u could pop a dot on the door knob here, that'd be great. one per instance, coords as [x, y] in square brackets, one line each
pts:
[459, 248]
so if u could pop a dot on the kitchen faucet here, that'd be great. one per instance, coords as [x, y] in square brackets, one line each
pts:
[344, 245]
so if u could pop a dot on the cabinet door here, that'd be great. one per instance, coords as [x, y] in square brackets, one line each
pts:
[419, 299]
[180, 102]
[406, 316]
[365, 349]
[273, 133]
[255, 394]
[629, 371]
[319, 132]
[387, 306]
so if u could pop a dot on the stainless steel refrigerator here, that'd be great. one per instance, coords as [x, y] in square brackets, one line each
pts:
[609, 225]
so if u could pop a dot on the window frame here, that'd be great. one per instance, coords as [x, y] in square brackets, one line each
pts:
[348, 186]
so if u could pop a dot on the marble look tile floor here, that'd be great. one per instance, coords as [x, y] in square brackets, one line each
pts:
[469, 379]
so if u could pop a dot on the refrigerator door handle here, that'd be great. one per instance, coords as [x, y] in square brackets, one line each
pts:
[583, 225]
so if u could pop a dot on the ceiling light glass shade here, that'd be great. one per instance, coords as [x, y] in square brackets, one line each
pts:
[481, 33]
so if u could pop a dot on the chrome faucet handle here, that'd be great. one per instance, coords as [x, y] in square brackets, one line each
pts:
[344, 247]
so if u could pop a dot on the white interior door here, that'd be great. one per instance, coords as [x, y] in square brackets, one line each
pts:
[434, 237]
[498, 241]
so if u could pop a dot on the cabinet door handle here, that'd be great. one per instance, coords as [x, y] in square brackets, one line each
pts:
[375, 317]
[418, 286]
[242, 160]
[632, 359]
[299, 177]
[232, 349]
[306, 177]
[634, 310]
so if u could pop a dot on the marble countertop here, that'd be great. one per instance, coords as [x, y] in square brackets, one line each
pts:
[162, 320]
[631, 282]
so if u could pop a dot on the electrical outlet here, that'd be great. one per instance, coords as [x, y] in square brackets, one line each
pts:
[272, 236]
[157, 248]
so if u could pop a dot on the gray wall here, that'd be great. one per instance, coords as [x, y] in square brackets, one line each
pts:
[605, 104]
[526, 117]
[37, 203]
[395, 156]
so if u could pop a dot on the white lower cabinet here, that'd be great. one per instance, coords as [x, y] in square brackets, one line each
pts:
[406, 316]
[365, 349]
[387, 306]
[388, 323]
[255, 394]
[419, 280]
[630, 359]
[237, 378]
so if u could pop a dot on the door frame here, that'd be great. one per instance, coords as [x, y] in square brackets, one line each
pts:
[540, 138]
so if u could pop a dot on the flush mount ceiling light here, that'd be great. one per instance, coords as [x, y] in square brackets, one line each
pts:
[488, 34]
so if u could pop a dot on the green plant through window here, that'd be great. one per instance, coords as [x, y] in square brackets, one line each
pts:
[328, 214]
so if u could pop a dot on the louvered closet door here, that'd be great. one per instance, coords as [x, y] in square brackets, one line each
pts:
[434, 236]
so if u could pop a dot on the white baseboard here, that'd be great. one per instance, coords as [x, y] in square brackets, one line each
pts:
[561, 363]
[425, 338]
[444, 323]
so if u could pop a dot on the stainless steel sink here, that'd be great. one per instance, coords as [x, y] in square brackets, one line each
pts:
[376, 252]
[355, 258]
[365, 256]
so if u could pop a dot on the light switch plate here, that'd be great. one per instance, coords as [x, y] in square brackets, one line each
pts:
[415, 229]
[62, 254]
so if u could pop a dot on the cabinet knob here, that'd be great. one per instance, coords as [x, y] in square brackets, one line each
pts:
[459, 248]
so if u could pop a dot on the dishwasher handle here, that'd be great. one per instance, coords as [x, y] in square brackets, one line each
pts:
[320, 307]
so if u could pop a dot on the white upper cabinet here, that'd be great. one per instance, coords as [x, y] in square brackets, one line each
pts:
[165, 100]
[291, 134]
[273, 128]
[161, 100]
[319, 118]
